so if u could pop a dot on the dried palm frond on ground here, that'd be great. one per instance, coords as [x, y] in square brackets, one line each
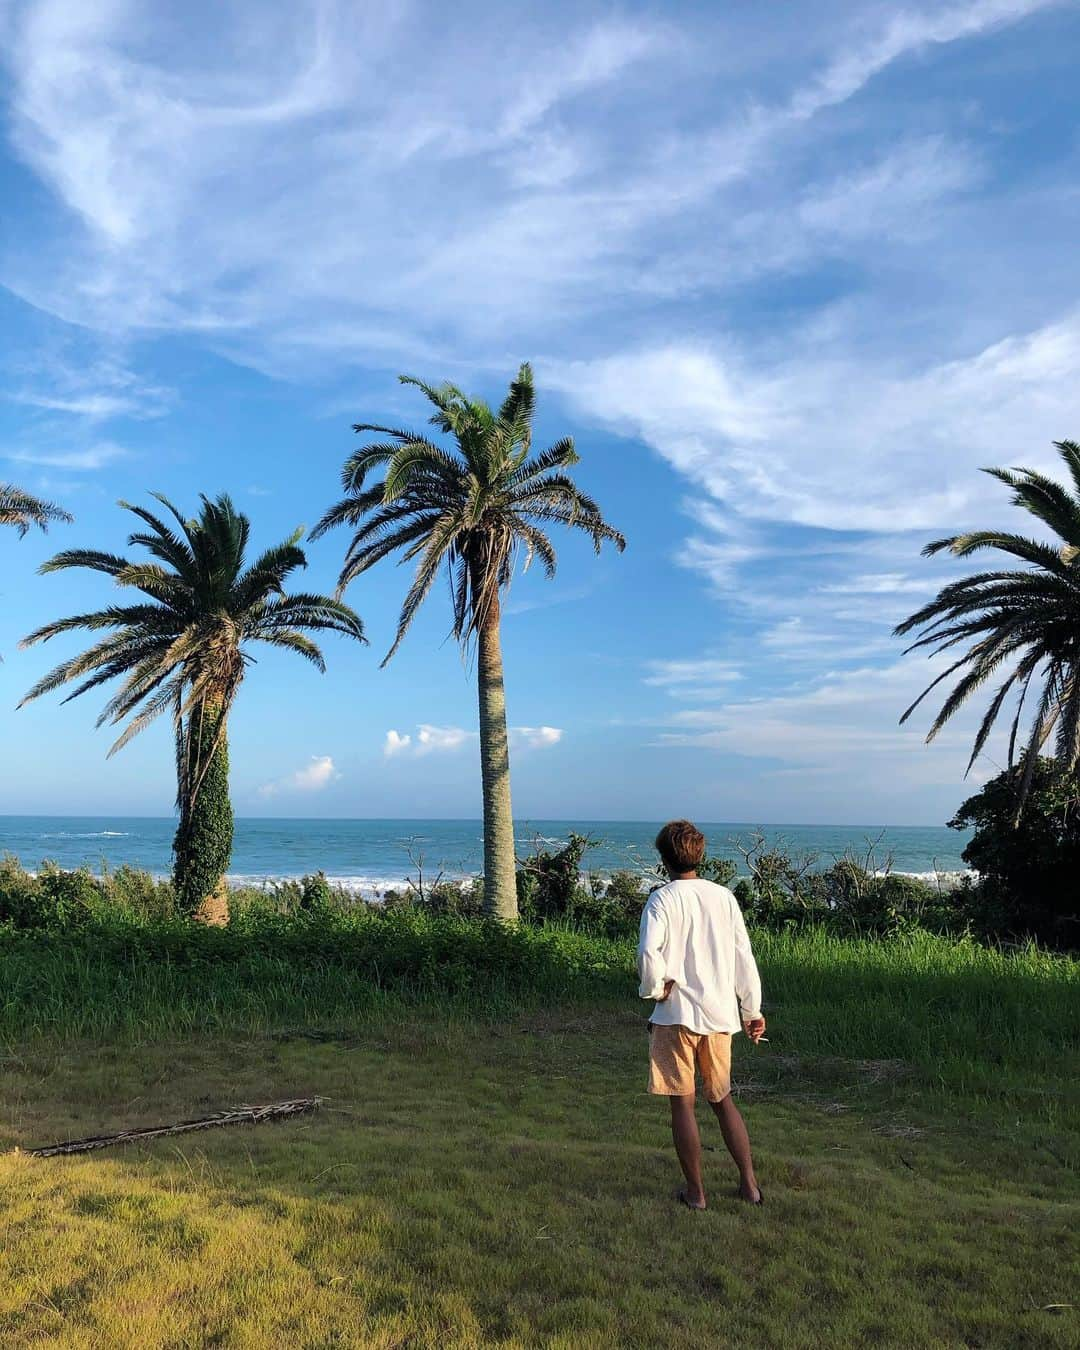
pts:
[241, 1115]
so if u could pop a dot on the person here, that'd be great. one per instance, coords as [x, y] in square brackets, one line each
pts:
[695, 961]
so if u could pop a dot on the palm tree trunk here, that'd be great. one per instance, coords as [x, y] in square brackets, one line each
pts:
[500, 885]
[203, 845]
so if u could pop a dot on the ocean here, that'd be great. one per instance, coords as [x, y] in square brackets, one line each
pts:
[369, 856]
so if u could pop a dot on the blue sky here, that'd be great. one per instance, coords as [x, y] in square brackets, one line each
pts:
[790, 275]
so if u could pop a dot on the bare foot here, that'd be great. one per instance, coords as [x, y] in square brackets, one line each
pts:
[684, 1197]
[750, 1191]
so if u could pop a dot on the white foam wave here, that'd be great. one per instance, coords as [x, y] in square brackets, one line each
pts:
[367, 887]
[85, 834]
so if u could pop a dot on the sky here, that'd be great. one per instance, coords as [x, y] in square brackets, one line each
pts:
[790, 275]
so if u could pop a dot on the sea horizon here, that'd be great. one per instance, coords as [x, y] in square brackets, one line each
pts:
[369, 855]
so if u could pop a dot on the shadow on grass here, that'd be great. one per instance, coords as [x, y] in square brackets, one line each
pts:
[507, 1183]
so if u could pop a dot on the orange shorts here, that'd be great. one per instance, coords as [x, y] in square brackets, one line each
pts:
[676, 1052]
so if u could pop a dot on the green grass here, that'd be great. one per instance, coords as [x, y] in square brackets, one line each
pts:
[488, 1169]
[510, 1185]
[964, 1016]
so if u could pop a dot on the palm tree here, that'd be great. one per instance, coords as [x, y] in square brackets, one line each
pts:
[183, 649]
[1025, 620]
[18, 508]
[473, 507]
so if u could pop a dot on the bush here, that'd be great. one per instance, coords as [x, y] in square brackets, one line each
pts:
[315, 892]
[56, 899]
[552, 888]
[52, 899]
[140, 893]
[1027, 866]
[548, 881]
[20, 896]
[851, 896]
[721, 870]
[455, 899]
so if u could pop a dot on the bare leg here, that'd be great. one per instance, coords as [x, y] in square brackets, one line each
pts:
[684, 1130]
[738, 1145]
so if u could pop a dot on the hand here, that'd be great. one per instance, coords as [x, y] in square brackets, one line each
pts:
[755, 1028]
[669, 985]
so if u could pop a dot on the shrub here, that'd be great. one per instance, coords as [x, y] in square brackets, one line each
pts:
[455, 899]
[721, 870]
[315, 892]
[548, 880]
[553, 888]
[52, 899]
[851, 896]
[140, 893]
[624, 887]
[1027, 865]
[20, 896]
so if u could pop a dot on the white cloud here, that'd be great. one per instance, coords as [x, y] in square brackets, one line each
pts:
[535, 738]
[905, 33]
[428, 740]
[438, 740]
[313, 777]
[705, 677]
[93, 457]
[395, 744]
[843, 723]
[894, 195]
[796, 639]
[87, 384]
[304, 185]
[821, 441]
[446, 740]
[218, 190]
[880, 583]
[843, 304]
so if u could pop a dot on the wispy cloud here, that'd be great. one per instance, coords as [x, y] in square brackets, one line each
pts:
[216, 192]
[92, 457]
[819, 441]
[702, 678]
[820, 269]
[844, 724]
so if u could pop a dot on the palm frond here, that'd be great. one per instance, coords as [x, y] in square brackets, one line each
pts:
[480, 505]
[185, 648]
[22, 510]
[1029, 619]
[110, 563]
[1029, 550]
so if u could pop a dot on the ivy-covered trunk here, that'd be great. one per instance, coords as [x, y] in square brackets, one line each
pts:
[500, 885]
[203, 845]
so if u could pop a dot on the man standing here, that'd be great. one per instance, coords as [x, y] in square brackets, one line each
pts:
[694, 959]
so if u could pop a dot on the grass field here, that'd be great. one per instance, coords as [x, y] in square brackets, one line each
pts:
[507, 1182]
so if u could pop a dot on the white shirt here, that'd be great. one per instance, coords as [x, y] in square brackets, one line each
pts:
[693, 932]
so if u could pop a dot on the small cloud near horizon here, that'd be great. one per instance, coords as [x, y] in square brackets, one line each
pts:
[315, 776]
[433, 740]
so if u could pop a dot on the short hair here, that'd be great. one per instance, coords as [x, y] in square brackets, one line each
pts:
[681, 845]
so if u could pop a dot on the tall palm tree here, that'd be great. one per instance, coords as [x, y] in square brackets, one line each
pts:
[1026, 621]
[473, 508]
[183, 649]
[18, 508]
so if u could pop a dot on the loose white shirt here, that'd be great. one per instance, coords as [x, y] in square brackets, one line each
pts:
[693, 932]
